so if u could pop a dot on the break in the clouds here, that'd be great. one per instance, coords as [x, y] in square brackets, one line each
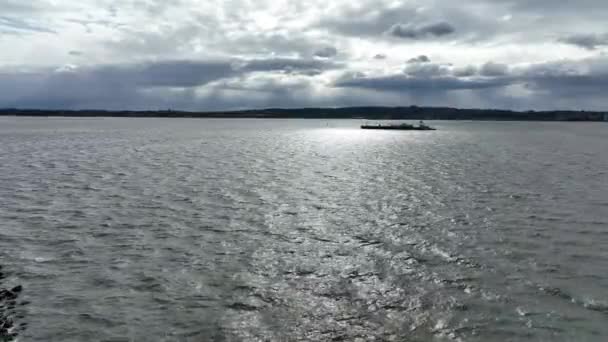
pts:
[215, 55]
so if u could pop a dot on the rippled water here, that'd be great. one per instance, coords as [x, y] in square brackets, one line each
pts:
[287, 230]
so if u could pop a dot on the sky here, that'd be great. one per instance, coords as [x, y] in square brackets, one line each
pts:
[211, 55]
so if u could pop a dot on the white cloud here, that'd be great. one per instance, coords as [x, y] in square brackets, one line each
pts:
[485, 37]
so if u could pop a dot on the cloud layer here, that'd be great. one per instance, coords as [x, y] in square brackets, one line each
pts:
[421, 32]
[214, 55]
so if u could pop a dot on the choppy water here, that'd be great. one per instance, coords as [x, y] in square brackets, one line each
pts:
[288, 230]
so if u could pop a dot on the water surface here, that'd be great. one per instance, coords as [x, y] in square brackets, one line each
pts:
[287, 230]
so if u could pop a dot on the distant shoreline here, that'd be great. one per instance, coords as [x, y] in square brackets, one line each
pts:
[363, 113]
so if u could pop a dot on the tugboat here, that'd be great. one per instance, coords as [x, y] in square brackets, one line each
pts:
[401, 127]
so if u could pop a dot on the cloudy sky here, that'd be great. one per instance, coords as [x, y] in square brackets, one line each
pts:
[234, 54]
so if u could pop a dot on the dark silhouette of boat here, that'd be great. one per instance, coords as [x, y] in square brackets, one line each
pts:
[401, 127]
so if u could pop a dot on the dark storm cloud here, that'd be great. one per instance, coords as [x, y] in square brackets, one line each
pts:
[405, 83]
[420, 32]
[419, 59]
[290, 65]
[568, 78]
[467, 71]
[494, 69]
[115, 85]
[571, 84]
[142, 86]
[326, 52]
[154, 74]
[426, 69]
[58, 90]
[174, 73]
[587, 41]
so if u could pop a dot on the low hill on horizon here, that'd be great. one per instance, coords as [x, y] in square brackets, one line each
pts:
[371, 113]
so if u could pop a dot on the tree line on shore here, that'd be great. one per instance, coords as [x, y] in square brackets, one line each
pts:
[372, 113]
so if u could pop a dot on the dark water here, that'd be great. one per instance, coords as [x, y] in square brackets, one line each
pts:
[256, 230]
